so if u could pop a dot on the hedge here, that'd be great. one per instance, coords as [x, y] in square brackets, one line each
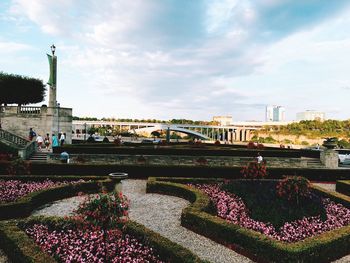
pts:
[21, 248]
[192, 151]
[202, 171]
[343, 187]
[322, 248]
[25, 205]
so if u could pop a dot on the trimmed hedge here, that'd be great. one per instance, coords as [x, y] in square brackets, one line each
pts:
[343, 187]
[189, 151]
[203, 171]
[25, 205]
[21, 248]
[322, 248]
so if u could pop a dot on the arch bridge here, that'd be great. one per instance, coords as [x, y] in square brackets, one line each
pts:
[235, 132]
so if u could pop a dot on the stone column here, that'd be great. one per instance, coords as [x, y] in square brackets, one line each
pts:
[329, 158]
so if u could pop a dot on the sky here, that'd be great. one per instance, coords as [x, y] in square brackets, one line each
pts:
[165, 59]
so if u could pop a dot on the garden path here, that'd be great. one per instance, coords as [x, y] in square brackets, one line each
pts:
[161, 214]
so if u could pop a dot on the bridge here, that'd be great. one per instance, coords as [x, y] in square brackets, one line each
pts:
[237, 131]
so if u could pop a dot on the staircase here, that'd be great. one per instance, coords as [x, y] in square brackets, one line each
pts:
[24, 147]
[39, 157]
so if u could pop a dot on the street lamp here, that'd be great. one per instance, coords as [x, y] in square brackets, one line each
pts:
[53, 49]
[58, 118]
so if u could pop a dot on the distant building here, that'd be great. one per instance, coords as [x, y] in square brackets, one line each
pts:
[223, 120]
[311, 115]
[275, 113]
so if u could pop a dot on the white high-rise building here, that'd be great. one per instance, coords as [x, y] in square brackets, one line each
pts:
[311, 115]
[275, 113]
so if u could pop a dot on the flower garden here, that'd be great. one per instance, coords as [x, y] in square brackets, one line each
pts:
[99, 231]
[309, 224]
[12, 190]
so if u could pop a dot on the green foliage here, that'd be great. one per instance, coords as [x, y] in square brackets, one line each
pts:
[343, 187]
[21, 90]
[304, 143]
[24, 206]
[314, 129]
[104, 211]
[293, 189]
[19, 166]
[343, 144]
[266, 205]
[323, 248]
[254, 170]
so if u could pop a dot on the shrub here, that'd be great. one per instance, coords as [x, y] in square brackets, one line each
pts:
[202, 161]
[293, 188]
[117, 141]
[90, 139]
[217, 142]
[105, 139]
[104, 211]
[251, 145]
[19, 166]
[254, 170]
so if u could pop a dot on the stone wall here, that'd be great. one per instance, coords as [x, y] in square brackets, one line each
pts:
[171, 160]
[42, 119]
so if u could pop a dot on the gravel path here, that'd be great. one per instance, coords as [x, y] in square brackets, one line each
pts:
[328, 187]
[161, 214]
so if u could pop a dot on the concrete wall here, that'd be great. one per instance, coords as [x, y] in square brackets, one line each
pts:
[43, 120]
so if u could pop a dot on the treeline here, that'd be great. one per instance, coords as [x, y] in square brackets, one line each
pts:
[173, 121]
[314, 129]
[20, 89]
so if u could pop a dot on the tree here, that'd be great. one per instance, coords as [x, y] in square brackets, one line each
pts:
[20, 90]
[155, 134]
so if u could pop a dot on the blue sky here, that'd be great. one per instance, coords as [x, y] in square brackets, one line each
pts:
[194, 59]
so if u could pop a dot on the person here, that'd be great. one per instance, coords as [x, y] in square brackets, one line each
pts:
[39, 141]
[62, 138]
[54, 141]
[259, 158]
[32, 134]
[47, 141]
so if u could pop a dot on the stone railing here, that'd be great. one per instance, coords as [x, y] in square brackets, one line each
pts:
[25, 148]
[13, 139]
[29, 110]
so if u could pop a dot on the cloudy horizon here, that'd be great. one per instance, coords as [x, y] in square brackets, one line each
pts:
[183, 59]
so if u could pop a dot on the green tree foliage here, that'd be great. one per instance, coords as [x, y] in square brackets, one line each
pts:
[314, 129]
[20, 90]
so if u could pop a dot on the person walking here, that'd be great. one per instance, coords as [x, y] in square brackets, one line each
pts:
[32, 134]
[54, 141]
[39, 140]
[62, 138]
[47, 141]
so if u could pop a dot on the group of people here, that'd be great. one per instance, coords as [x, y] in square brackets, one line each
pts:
[55, 141]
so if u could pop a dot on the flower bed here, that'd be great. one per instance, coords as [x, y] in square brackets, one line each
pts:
[324, 247]
[68, 186]
[12, 190]
[77, 245]
[231, 208]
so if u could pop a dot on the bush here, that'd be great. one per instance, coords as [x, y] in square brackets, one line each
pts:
[104, 211]
[294, 189]
[105, 140]
[19, 166]
[254, 170]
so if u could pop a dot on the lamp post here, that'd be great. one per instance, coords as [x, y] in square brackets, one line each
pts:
[58, 119]
[85, 131]
[53, 77]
